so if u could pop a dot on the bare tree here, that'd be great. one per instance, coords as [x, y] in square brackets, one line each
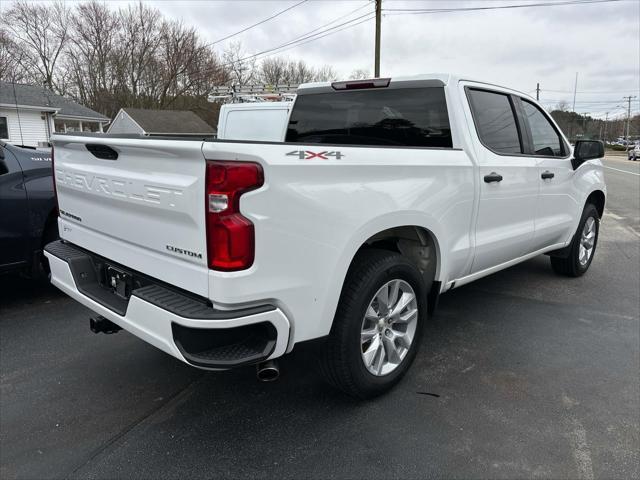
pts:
[41, 31]
[278, 70]
[241, 66]
[187, 65]
[326, 73]
[273, 71]
[359, 73]
[138, 43]
[91, 55]
[11, 70]
[109, 58]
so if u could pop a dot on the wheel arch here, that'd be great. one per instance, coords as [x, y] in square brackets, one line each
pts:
[598, 199]
[404, 228]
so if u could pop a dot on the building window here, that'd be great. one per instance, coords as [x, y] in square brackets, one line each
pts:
[58, 125]
[4, 128]
[90, 127]
[72, 125]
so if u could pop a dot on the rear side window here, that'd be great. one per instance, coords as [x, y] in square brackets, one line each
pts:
[495, 121]
[404, 117]
[546, 140]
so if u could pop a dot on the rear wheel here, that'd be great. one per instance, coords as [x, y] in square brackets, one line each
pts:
[583, 245]
[377, 328]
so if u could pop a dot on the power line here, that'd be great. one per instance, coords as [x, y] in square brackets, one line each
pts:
[616, 92]
[303, 39]
[340, 17]
[300, 40]
[421, 11]
[258, 23]
[582, 102]
[322, 36]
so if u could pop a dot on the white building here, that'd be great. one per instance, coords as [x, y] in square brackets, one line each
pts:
[29, 114]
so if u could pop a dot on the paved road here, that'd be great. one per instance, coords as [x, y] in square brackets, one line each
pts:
[623, 178]
[521, 374]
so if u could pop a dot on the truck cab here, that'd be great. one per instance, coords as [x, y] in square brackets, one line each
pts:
[382, 194]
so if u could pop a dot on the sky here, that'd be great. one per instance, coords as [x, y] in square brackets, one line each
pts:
[515, 47]
[512, 47]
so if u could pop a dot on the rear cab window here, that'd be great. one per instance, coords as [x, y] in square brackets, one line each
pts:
[402, 117]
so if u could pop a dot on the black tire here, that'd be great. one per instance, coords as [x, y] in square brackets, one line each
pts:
[341, 363]
[571, 266]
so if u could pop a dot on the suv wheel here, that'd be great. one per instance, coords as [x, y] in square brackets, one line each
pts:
[378, 324]
[583, 245]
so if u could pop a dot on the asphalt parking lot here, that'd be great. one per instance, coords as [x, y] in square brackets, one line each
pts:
[521, 374]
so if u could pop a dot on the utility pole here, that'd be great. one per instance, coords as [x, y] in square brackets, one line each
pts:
[573, 108]
[377, 52]
[628, 99]
[601, 125]
[537, 91]
[606, 122]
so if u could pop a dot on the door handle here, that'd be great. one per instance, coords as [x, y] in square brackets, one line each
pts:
[546, 175]
[493, 177]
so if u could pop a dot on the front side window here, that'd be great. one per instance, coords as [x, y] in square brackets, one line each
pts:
[495, 121]
[4, 128]
[546, 140]
[403, 117]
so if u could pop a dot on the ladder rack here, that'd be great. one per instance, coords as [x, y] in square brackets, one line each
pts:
[254, 93]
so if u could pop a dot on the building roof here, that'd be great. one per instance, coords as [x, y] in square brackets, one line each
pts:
[166, 122]
[37, 96]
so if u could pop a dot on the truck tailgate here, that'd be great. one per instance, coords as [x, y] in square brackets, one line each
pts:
[143, 209]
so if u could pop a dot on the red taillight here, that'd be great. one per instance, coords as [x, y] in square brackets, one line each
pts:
[230, 236]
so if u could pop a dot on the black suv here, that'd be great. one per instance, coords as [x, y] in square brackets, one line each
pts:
[28, 216]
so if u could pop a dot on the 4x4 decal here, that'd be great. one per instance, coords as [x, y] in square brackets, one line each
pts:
[309, 155]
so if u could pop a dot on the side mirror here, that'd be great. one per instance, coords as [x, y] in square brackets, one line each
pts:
[586, 150]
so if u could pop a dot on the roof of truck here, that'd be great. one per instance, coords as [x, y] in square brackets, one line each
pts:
[420, 80]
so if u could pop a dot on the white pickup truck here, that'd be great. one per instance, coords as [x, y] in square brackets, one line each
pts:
[385, 194]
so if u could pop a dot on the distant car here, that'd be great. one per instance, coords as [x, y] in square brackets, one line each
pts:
[28, 217]
[634, 153]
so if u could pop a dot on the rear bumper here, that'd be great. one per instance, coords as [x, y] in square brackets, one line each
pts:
[180, 325]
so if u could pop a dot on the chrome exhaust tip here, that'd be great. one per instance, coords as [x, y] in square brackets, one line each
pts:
[268, 371]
